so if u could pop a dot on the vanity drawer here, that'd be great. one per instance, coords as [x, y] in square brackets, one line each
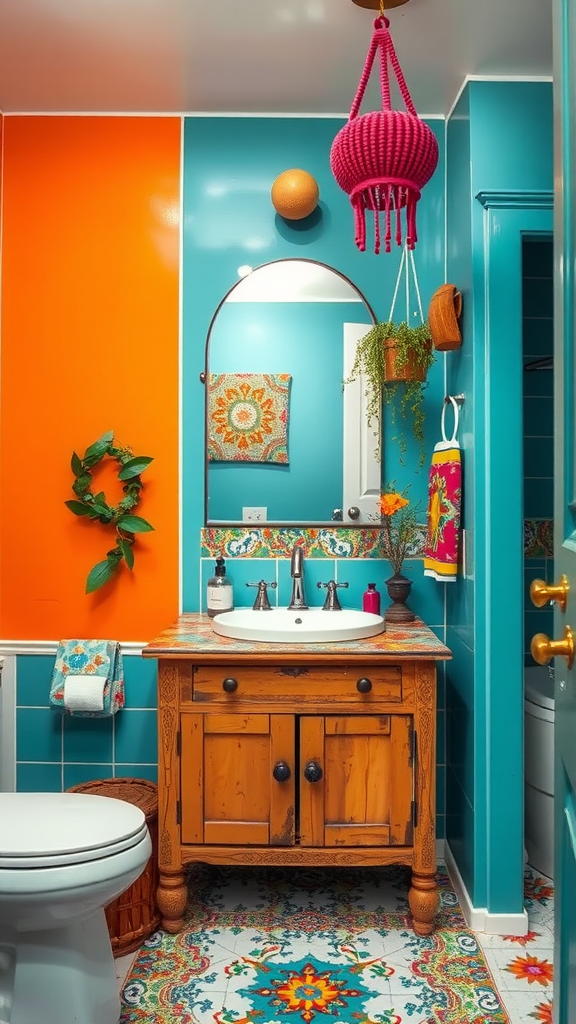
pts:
[359, 684]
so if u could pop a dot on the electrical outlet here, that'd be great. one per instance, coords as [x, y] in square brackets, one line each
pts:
[253, 514]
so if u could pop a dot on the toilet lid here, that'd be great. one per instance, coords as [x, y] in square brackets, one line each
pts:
[539, 688]
[47, 829]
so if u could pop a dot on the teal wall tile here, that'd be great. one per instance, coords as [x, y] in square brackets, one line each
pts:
[538, 339]
[440, 736]
[33, 680]
[537, 383]
[358, 573]
[136, 738]
[440, 791]
[539, 458]
[137, 771]
[538, 299]
[88, 739]
[538, 415]
[427, 596]
[461, 837]
[39, 778]
[440, 826]
[538, 497]
[140, 682]
[76, 774]
[38, 734]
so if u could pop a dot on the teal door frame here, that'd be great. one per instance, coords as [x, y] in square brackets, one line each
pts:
[506, 217]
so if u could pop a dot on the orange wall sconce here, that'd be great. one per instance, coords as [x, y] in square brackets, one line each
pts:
[295, 194]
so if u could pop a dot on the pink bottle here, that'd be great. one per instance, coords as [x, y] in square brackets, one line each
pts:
[371, 600]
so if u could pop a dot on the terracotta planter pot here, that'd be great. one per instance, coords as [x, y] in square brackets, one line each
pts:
[443, 315]
[395, 370]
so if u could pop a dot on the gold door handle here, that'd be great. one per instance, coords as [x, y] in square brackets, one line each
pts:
[541, 593]
[543, 649]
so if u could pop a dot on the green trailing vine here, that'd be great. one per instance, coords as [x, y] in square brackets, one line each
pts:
[403, 397]
[95, 506]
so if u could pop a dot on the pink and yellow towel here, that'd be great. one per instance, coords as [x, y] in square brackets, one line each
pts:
[444, 501]
[248, 417]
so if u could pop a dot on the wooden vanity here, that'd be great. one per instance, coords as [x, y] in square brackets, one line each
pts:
[319, 754]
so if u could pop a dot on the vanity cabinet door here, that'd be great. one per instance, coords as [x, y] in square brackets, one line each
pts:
[237, 779]
[356, 780]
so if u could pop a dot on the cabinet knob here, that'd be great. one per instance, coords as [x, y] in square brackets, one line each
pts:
[230, 685]
[313, 772]
[281, 771]
[364, 685]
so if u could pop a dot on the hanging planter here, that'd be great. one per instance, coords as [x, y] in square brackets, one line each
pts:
[396, 356]
[407, 358]
[383, 159]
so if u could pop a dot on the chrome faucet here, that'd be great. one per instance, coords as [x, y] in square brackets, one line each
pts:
[297, 573]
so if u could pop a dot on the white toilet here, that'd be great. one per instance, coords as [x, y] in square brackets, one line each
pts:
[539, 768]
[63, 858]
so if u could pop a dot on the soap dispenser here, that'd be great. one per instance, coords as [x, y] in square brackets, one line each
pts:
[219, 593]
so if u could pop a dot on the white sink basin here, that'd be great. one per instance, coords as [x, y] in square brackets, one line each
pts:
[311, 626]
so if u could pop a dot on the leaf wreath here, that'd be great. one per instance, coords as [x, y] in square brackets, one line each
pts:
[96, 507]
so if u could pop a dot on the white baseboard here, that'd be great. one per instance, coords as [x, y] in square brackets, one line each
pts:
[479, 919]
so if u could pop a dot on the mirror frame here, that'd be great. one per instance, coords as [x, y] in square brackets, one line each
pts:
[276, 523]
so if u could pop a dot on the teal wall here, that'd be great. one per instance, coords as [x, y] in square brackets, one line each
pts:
[499, 187]
[229, 167]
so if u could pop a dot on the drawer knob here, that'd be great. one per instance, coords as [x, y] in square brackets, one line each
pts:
[313, 772]
[281, 771]
[364, 685]
[230, 685]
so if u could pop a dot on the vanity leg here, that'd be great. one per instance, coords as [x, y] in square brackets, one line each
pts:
[171, 898]
[423, 899]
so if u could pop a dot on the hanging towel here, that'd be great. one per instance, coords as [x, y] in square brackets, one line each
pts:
[88, 678]
[444, 502]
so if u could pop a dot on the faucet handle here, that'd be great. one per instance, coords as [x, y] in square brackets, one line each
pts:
[331, 604]
[262, 604]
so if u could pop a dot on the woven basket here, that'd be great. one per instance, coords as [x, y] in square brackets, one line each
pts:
[132, 916]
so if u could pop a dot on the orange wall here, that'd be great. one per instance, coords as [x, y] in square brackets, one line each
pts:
[90, 279]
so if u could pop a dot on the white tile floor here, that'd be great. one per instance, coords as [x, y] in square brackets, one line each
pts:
[521, 965]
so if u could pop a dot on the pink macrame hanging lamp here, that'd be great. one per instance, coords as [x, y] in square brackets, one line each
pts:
[384, 158]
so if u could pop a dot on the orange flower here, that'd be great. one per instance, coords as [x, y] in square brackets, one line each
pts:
[522, 940]
[531, 969]
[543, 1013]
[391, 503]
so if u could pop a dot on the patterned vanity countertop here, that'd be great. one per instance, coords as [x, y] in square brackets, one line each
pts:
[192, 636]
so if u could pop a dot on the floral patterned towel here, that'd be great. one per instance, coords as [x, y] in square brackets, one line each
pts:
[248, 417]
[89, 658]
[444, 498]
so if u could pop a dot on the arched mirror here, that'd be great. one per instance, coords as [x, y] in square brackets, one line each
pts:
[285, 443]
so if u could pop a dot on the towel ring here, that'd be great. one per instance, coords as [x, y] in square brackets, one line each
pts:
[456, 408]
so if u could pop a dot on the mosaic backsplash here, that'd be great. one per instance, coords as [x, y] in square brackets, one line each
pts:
[277, 542]
[339, 542]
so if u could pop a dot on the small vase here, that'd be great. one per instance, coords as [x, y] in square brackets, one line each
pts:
[398, 587]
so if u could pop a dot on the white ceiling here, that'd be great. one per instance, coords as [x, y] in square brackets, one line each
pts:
[255, 56]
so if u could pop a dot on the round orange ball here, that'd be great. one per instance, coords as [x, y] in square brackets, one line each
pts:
[295, 194]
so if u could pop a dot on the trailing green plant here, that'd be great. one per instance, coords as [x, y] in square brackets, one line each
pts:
[403, 397]
[95, 506]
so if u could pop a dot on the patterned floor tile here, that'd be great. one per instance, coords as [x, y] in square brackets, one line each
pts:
[292, 947]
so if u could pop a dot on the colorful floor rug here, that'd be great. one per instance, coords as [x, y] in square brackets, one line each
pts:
[277, 946]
